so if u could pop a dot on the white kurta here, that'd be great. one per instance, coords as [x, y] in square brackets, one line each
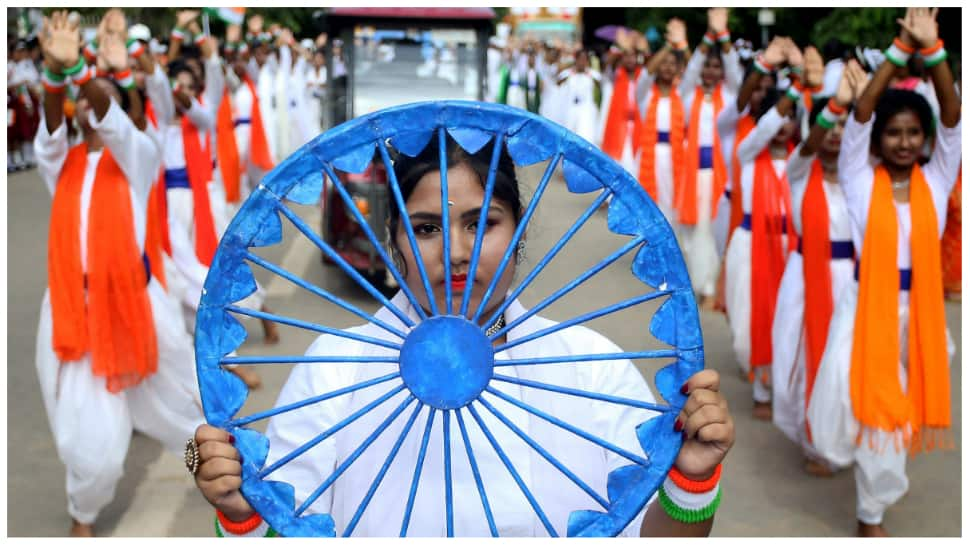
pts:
[513, 516]
[577, 103]
[91, 426]
[880, 474]
[788, 328]
[737, 263]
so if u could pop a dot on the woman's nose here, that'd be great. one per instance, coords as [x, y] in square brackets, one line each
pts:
[461, 245]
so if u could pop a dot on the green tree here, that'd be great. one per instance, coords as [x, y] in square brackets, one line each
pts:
[871, 27]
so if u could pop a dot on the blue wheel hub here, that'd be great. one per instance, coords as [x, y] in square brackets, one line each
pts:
[446, 362]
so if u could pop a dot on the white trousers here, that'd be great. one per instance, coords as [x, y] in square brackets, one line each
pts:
[697, 241]
[92, 427]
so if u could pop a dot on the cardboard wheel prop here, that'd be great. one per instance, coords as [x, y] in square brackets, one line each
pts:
[445, 364]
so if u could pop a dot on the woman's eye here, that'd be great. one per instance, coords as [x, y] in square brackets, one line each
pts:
[426, 229]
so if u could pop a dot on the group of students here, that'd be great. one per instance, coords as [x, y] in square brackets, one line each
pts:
[829, 212]
[147, 160]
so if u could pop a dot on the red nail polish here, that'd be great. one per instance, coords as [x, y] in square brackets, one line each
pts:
[232, 439]
[683, 389]
[678, 426]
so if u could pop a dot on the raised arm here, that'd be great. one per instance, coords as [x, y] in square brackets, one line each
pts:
[920, 29]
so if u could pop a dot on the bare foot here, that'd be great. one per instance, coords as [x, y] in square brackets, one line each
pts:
[82, 530]
[271, 334]
[762, 411]
[708, 303]
[817, 469]
[249, 377]
[871, 531]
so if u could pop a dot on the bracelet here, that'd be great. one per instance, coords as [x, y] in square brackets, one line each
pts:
[724, 36]
[179, 33]
[933, 56]
[709, 38]
[239, 528]
[794, 92]
[90, 51]
[829, 116]
[84, 76]
[898, 53]
[678, 45]
[125, 79]
[135, 48]
[688, 508]
[835, 107]
[761, 66]
[199, 39]
[902, 46]
[53, 83]
[693, 486]
[75, 69]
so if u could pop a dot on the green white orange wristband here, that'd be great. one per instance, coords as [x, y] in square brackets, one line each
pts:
[933, 56]
[829, 116]
[690, 501]
[135, 48]
[53, 83]
[90, 51]
[179, 33]
[794, 92]
[899, 53]
[710, 38]
[125, 79]
[761, 66]
[254, 527]
[723, 36]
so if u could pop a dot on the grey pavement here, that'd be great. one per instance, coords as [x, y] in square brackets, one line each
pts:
[766, 493]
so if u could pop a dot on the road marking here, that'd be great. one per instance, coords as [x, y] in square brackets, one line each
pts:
[296, 260]
[157, 499]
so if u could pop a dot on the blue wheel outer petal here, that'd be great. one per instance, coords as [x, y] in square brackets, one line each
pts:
[530, 139]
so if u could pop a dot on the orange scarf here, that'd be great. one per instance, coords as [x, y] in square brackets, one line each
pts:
[227, 152]
[156, 220]
[744, 127]
[878, 399]
[621, 109]
[817, 272]
[685, 198]
[648, 133]
[116, 324]
[259, 152]
[198, 163]
[768, 254]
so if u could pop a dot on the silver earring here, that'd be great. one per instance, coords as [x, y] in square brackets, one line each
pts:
[520, 253]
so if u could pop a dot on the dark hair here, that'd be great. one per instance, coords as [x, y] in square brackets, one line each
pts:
[834, 49]
[772, 95]
[894, 101]
[122, 94]
[410, 170]
[178, 66]
[818, 104]
[750, 68]
[714, 53]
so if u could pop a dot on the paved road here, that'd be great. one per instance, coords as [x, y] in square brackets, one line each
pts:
[765, 491]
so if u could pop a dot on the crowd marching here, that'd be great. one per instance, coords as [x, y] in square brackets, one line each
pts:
[816, 199]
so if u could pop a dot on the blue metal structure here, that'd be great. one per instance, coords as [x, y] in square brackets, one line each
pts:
[446, 361]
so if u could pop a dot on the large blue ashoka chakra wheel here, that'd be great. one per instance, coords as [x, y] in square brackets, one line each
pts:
[444, 361]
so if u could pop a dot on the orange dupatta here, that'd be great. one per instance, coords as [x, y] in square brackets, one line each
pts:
[768, 254]
[878, 399]
[648, 133]
[116, 324]
[744, 127]
[227, 152]
[817, 272]
[621, 109]
[199, 167]
[259, 152]
[685, 197]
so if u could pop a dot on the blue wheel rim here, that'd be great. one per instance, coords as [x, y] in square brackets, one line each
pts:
[529, 139]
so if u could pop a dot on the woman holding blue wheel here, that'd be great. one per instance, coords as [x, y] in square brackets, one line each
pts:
[470, 275]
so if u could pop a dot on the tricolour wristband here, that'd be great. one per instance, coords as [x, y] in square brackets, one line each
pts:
[901, 45]
[794, 92]
[680, 46]
[179, 33]
[84, 76]
[761, 66]
[897, 55]
[688, 507]
[135, 48]
[724, 36]
[933, 56]
[199, 39]
[53, 83]
[693, 486]
[827, 119]
[76, 69]
[709, 38]
[125, 79]
[90, 51]
[836, 108]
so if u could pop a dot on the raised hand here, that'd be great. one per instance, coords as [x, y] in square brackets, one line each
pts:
[717, 19]
[642, 44]
[814, 67]
[185, 16]
[255, 24]
[233, 33]
[921, 25]
[793, 55]
[207, 46]
[112, 53]
[845, 93]
[115, 23]
[775, 52]
[676, 31]
[63, 41]
[623, 39]
[858, 79]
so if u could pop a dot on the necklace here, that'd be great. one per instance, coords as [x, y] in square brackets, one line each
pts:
[900, 185]
[498, 325]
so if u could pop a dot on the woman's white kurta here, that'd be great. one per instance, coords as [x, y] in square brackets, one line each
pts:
[91, 426]
[576, 101]
[557, 496]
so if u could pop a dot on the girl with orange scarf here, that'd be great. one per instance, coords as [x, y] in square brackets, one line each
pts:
[883, 386]
[760, 245]
[818, 273]
[713, 77]
[621, 132]
[111, 356]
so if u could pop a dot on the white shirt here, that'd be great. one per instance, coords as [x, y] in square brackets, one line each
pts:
[799, 169]
[513, 516]
[751, 147]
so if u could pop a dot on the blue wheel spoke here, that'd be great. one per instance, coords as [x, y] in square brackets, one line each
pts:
[476, 474]
[482, 218]
[551, 254]
[562, 424]
[661, 353]
[408, 228]
[380, 475]
[574, 283]
[354, 456]
[322, 293]
[581, 319]
[445, 220]
[515, 475]
[446, 443]
[313, 327]
[319, 398]
[584, 394]
[517, 236]
[546, 455]
[417, 472]
[328, 433]
[342, 263]
[374, 241]
[303, 359]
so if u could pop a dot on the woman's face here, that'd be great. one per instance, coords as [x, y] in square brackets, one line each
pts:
[902, 140]
[786, 132]
[712, 72]
[186, 83]
[833, 137]
[424, 209]
[764, 84]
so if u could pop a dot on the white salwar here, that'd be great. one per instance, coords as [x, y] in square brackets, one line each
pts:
[316, 89]
[513, 515]
[91, 426]
[577, 103]
[788, 340]
[727, 127]
[737, 263]
[880, 473]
